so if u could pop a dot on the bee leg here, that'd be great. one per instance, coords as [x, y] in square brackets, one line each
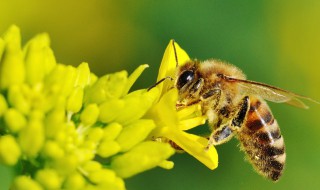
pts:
[221, 135]
[241, 114]
[225, 132]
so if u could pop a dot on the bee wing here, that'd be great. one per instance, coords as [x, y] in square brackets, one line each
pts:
[271, 93]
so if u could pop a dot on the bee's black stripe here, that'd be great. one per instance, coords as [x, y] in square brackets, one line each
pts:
[276, 165]
[254, 125]
[273, 151]
[263, 137]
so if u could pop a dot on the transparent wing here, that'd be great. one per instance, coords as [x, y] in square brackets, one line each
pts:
[271, 93]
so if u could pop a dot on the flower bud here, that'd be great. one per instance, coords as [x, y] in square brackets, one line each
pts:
[108, 148]
[144, 156]
[74, 181]
[83, 75]
[91, 166]
[31, 138]
[14, 120]
[25, 183]
[18, 100]
[111, 131]
[52, 150]
[54, 122]
[35, 53]
[95, 134]
[116, 84]
[12, 69]
[136, 105]
[74, 102]
[48, 178]
[110, 109]
[90, 114]
[134, 133]
[102, 175]
[9, 150]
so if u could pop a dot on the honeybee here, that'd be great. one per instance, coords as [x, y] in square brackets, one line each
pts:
[236, 107]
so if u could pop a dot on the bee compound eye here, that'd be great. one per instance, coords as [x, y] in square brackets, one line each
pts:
[185, 78]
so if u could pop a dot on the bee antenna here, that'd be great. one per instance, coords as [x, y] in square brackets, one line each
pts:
[175, 52]
[160, 81]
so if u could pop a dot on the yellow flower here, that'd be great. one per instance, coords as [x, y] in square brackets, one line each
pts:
[172, 124]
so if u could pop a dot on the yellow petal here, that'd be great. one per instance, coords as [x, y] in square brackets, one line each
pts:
[193, 145]
[133, 77]
[169, 63]
[164, 112]
[192, 123]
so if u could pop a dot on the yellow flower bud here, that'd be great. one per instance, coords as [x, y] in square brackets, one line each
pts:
[9, 150]
[108, 148]
[61, 80]
[102, 175]
[52, 150]
[35, 53]
[31, 138]
[136, 105]
[111, 131]
[108, 87]
[91, 166]
[90, 114]
[134, 133]
[74, 102]
[25, 183]
[166, 164]
[116, 84]
[95, 134]
[54, 122]
[83, 75]
[48, 178]
[66, 164]
[74, 181]
[18, 100]
[144, 156]
[15, 120]
[12, 69]
[110, 109]
[96, 92]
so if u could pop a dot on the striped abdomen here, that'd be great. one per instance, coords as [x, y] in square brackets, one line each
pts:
[261, 139]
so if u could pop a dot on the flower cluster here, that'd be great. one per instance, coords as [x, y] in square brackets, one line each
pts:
[62, 127]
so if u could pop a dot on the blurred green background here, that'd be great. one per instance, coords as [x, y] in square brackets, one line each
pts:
[275, 42]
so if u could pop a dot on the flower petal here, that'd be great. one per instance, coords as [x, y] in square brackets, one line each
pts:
[192, 123]
[169, 63]
[193, 145]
